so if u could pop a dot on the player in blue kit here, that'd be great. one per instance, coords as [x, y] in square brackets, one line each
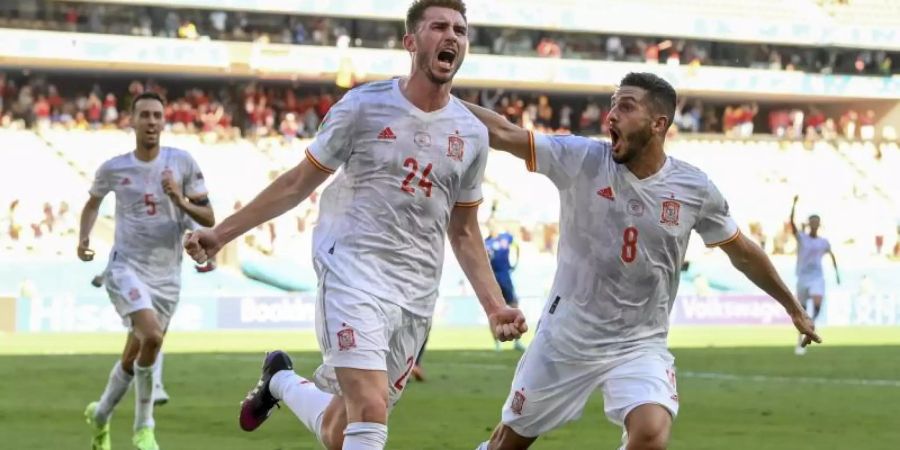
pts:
[498, 246]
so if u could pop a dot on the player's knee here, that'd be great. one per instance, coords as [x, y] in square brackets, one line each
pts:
[333, 438]
[504, 438]
[652, 437]
[152, 341]
[332, 430]
[371, 408]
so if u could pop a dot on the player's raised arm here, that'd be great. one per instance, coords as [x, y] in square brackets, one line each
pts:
[794, 209]
[503, 134]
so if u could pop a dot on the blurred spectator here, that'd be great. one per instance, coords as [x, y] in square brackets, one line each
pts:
[188, 30]
[848, 123]
[590, 119]
[796, 131]
[779, 122]
[614, 49]
[110, 111]
[219, 22]
[548, 48]
[815, 119]
[565, 119]
[867, 125]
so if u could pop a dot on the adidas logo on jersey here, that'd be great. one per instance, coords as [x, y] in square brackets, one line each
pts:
[607, 193]
[126, 181]
[387, 134]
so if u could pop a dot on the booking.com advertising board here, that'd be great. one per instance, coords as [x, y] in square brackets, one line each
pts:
[297, 312]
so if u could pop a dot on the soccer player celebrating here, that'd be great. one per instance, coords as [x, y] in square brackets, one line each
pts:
[627, 211]
[413, 158]
[810, 277]
[160, 193]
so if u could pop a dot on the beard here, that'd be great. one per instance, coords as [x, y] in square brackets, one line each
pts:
[147, 142]
[424, 64]
[636, 142]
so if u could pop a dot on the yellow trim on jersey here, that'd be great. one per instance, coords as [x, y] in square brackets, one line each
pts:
[531, 162]
[469, 204]
[316, 163]
[735, 236]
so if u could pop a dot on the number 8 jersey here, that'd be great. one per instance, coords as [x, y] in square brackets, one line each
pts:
[383, 219]
[622, 243]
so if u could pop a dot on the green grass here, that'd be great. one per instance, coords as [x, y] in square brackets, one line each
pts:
[814, 402]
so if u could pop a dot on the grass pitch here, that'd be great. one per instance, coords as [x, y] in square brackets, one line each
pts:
[740, 388]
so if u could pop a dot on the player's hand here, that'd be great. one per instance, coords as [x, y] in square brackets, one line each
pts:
[84, 250]
[171, 188]
[201, 245]
[507, 324]
[806, 327]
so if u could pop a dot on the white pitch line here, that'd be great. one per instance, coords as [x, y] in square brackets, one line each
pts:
[786, 379]
[681, 374]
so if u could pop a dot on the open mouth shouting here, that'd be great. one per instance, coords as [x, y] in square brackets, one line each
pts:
[616, 138]
[446, 57]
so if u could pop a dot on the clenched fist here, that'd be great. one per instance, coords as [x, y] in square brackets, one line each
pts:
[203, 244]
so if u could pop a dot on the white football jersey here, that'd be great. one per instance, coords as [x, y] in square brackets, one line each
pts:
[622, 242]
[810, 251]
[149, 227]
[383, 220]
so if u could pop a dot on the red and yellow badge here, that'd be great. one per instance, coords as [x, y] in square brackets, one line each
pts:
[456, 147]
[670, 209]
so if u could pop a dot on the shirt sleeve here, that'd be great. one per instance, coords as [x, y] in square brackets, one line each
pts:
[194, 184]
[715, 224]
[331, 147]
[103, 182]
[558, 157]
[470, 188]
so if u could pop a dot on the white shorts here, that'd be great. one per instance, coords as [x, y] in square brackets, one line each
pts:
[548, 391]
[359, 331]
[129, 294]
[807, 288]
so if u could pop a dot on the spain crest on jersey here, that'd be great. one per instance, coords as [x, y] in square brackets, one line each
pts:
[669, 214]
[518, 402]
[346, 339]
[456, 147]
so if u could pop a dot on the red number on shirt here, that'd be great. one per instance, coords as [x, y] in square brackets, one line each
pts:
[413, 167]
[629, 247]
[150, 201]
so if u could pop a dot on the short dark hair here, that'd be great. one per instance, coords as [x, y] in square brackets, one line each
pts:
[417, 10]
[148, 95]
[661, 94]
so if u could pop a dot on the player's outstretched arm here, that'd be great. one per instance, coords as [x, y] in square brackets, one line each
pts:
[286, 192]
[88, 219]
[503, 134]
[837, 274]
[468, 246]
[747, 257]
